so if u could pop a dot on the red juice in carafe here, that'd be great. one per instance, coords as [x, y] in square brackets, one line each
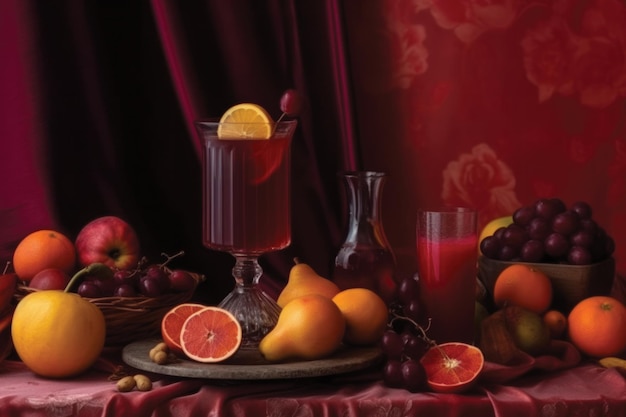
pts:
[447, 273]
[366, 267]
[246, 195]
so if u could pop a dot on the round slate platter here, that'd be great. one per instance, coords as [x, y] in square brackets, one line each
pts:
[250, 365]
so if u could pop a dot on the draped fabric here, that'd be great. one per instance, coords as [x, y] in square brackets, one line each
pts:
[486, 104]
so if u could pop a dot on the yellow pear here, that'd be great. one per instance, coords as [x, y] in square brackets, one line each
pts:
[304, 280]
[309, 327]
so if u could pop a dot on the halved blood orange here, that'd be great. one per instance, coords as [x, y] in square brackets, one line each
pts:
[172, 324]
[210, 335]
[452, 367]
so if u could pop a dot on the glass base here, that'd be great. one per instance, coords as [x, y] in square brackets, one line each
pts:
[256, 311]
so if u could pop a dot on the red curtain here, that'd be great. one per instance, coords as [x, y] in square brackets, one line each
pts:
[487, 104]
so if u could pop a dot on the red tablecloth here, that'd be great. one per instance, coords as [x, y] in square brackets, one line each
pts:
[585, 390]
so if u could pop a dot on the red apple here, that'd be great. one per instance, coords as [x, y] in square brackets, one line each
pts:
[108, 240]
[50, 279]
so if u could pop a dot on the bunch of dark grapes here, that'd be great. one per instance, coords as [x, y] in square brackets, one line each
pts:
[548, 231]
[405, 340]
[149, 280]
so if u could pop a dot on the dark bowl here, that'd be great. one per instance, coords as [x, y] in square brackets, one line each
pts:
[570, 283]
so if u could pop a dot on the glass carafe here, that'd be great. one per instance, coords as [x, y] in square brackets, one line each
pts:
[365, 258]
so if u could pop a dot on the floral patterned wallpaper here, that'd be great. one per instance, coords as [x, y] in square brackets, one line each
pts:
[492, 104]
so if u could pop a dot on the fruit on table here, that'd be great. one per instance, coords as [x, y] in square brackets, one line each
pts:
[108, 240]
[58, 334]
[210, 335]
[496, 342]
[530, 333]
[50, 279]
[308, 327]
[303, 280]
[366, 315]
[556, 322]
[43, 249]
[524, 286]
[452, 367]
[549, 231]
[172, 324]
[597, 326]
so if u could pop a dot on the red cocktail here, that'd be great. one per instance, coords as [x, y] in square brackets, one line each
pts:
[446, 250]
[246, 189]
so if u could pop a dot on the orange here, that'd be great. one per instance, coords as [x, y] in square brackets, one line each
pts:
[211, 334]
[452, 367]
[597, 326]
[556, 323]
[172, 324]
[523, 286]
[366, 315]
[245, 121]
[57, 334]
[41, 250]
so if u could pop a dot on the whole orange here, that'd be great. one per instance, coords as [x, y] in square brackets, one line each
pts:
[523, 286]
[597, 326]
[556, 322]
[57, 334]
[366, 315]
[41, 250]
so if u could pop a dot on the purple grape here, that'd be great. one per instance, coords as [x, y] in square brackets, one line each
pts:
[583, 209]
[181, 281]
[589, 226]
[412, 309]
[490, 247]
[499, 232]
[151, 287]
[558, 204]
[392, 374]
[158, 274]
[125, 290]
[539, 228]
[523, 215]
[124, 276]
[392, 344]
[88, 289]
[508, 253]
[582, 238]
[291, 103]
[514, 236]
[415, 347]
[408, 290]
[566, 223]
[579, 256]
[105, 285]
[547, 208]
[413, 376]
[556, 246]
[532, 251]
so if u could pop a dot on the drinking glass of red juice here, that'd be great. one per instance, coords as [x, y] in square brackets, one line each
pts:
[446, 259]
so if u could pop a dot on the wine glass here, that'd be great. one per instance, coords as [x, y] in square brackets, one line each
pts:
[246, 198]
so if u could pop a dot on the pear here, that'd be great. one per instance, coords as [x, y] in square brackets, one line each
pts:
[309, 327]
[304, 280]
[530, 333]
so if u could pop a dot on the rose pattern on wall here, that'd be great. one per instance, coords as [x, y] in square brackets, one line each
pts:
[508, 100]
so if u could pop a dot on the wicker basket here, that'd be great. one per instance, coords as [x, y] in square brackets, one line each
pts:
[570, 283]
[129, 319]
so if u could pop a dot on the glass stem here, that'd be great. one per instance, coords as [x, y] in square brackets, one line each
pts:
[247, 271]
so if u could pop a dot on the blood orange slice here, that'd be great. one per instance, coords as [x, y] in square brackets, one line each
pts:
[210, 335]
[172, 324]
[452, 367]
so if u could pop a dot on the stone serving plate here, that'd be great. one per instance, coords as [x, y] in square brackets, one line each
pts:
[570, 283]
[250, 365]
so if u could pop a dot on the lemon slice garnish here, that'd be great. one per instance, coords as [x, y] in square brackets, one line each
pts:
[245, 121]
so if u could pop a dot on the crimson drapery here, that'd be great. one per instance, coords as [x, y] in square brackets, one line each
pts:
[488, 104]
